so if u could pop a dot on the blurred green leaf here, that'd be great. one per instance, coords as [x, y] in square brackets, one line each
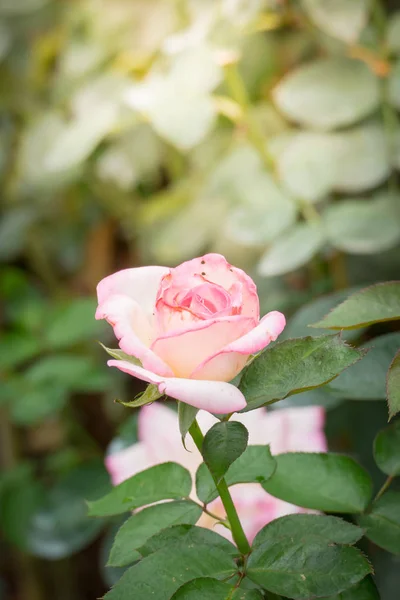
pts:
[14, 228]
[343, 19]
[393, 33]
[292, 250]
[17, 348]
[363, 226]
[60, 526]
[328, 93]
[31, 404]
[9, 8]
[73, 322]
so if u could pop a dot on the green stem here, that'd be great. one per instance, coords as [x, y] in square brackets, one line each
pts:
[384, 487]
[236, 527]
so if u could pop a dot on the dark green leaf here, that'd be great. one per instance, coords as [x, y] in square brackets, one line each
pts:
[382, 523]
[366, 380]
[187, 415]
[327, 482]
[288, 560]
[393, 386]
[387, 449]
[222, 445]
[374, 304]
[187, 534]
[206, 588]
[159, 575]
[306, 528]
[143, 525]
[365, 590]
[294, 366]
[255, 465]
[168, 481]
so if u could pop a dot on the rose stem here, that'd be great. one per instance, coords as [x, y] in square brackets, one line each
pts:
[237, 530]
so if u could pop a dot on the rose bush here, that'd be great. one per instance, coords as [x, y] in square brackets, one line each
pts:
[288, 430]
[192, 328]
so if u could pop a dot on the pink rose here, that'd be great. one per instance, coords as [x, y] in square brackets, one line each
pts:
[288, 430]
[192, 328]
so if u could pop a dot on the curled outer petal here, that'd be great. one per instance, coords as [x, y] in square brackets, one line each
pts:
[214, 396]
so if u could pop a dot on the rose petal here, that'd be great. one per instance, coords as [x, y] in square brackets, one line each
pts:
[287, 430]
[132, 329]
[140, 284]
[158, 428]
[214, 268]
[215, 396]
[127, 462]
[184, 350]
[225, 359]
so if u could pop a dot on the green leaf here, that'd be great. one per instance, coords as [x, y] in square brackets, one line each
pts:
[291, 251]
[294, 366]
[167, 481]
[33, 403]
[187, 534]
[394, 85]
[362, 226]
[366, 380]
[362, 159]
[120, 355]
[17, 348]
[374, 304]
[60, 526]
[151, 394]
[222, 445]
[298, 324]
[307, 528]
[9, 8]
[387, 449]
[327, 482]
[73, 322]
[365, 590]
[255, 465]
[14, 229]
[135, 532]
[206, 588]
[393, 33]
[161, 574]
[393, 386]
[186, 415]
[297, 561]
[342, 19]
[382, 523]
[328, 93]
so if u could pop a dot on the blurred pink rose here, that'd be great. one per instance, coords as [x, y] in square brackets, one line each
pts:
[289, 430]
[192, 327]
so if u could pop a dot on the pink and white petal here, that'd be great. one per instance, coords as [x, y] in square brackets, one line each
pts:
[216, 269]
[215, 396]
[140, 284]
[185, 350]
[223, 366]
[127, 462]
[158, 428]
[251, 342]
[133, 331]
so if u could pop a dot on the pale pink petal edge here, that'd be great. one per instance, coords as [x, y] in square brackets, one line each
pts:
[214, 396]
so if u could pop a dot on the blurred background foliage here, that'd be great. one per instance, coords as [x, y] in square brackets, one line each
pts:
[148, 132]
